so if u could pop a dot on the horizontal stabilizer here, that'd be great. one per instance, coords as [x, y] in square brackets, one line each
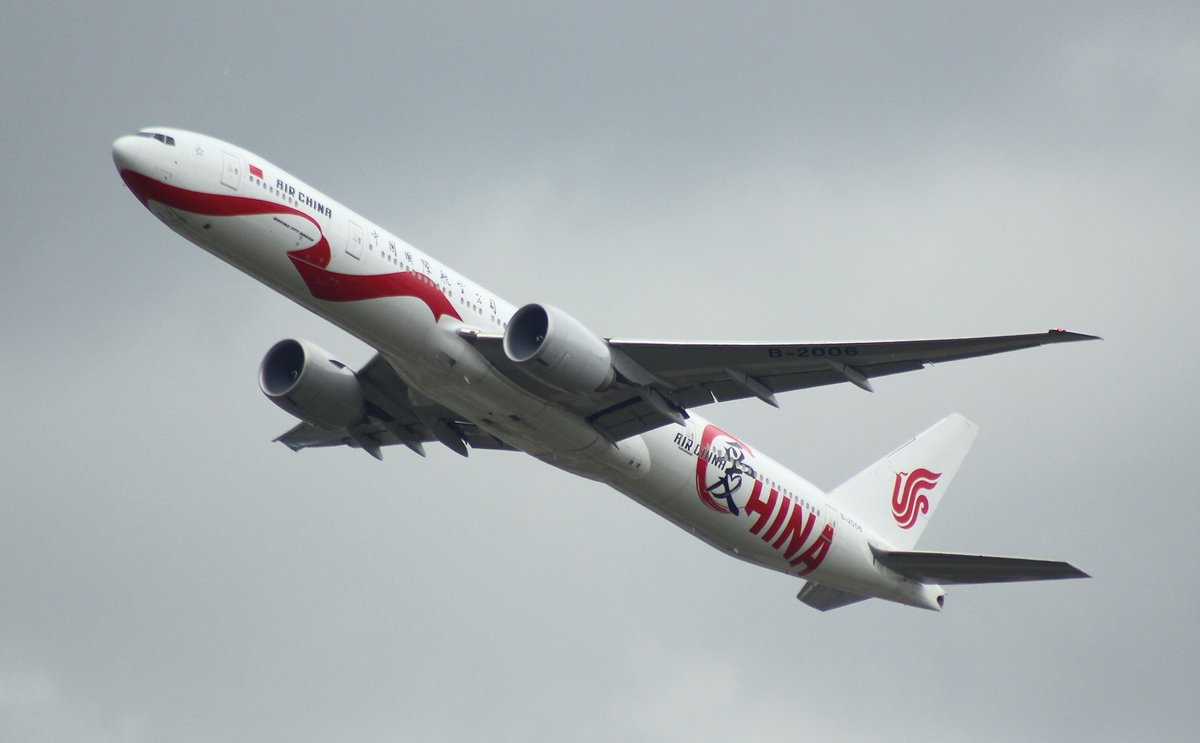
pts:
[825, 598]
[950, 567]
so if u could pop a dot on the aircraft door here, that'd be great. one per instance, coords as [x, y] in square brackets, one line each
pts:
[231, 170]
[354, 241]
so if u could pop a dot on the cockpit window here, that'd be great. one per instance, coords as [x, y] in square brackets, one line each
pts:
[160, 137]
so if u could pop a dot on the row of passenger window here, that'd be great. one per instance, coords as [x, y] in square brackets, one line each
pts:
[784, 491]
[392, 258]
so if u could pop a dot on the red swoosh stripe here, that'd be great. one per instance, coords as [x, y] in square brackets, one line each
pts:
[310, 262]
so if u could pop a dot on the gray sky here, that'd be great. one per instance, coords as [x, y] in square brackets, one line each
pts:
[901, 170]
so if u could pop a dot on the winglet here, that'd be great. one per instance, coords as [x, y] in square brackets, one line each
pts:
[1060, 335]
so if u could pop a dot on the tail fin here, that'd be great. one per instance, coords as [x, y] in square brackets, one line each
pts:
[896, 496]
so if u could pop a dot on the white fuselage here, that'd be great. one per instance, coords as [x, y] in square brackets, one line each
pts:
[329, 259]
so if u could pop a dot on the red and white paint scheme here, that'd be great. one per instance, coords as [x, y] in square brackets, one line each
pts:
[460, 366]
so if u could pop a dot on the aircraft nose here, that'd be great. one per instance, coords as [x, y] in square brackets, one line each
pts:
[138, 164]
[125, 153]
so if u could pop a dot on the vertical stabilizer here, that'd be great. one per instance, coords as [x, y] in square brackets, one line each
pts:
[896, 496]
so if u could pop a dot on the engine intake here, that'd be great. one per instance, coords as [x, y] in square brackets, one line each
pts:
[307, 382]
[556, 349]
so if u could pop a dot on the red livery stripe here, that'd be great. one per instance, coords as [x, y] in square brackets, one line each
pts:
[311, 263]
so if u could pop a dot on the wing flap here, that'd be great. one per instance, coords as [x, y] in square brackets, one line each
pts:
[308, 436]
[952, 567]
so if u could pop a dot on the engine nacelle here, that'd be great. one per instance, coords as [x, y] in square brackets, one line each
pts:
[306, 381]
[556, 349]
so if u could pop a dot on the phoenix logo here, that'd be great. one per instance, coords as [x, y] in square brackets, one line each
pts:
[908, 495]
[723, 463]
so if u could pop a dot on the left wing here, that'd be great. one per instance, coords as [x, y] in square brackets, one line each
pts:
[395, 415]
[659, 381]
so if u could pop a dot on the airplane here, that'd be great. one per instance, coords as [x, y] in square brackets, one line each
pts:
[457, 365]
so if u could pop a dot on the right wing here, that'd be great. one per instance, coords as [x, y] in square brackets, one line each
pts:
[660, 380]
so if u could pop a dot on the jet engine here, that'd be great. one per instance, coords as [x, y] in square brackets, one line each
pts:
[306, 381]
[556, 349]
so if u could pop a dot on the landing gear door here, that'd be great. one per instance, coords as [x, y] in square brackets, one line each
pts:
[354, 241]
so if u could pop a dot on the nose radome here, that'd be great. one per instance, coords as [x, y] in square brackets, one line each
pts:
[124, 153]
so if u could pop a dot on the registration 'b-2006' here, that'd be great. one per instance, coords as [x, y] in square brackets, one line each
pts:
[816, 352]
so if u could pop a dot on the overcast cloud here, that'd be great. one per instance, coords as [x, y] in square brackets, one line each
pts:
[702, 171]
